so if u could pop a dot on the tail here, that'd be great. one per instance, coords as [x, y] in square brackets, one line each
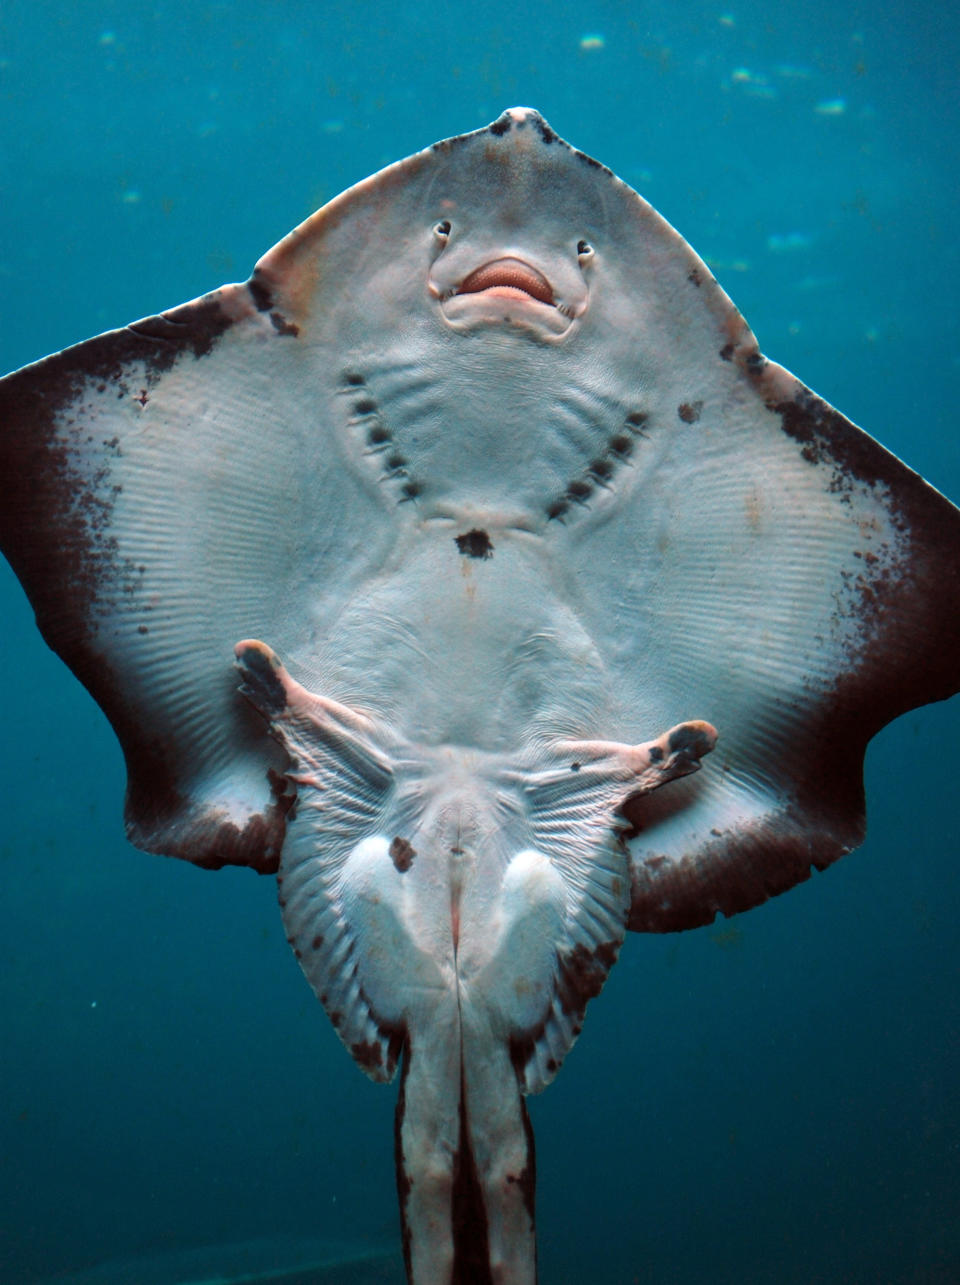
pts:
[466, 1171]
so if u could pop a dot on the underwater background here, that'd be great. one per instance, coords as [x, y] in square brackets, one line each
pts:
[774, 1099]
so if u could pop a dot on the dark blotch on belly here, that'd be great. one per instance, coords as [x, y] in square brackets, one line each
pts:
[402, 853]
[475, 544]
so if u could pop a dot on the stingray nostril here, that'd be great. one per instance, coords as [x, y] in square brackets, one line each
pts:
[442, 229]
[584, 250]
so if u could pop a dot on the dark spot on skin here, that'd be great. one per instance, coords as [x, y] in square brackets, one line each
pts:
[377, 434]
[581, 974]
[557, 508]
[588, 160]
[336, 1017]
[551, 1067]
[656, 754]
[637, 418]
[317, 942]
[474, 544]
[828, 439]
[367, 1054]
[192, 326]
[694, 276]
[402, 853]
[827, 436]
[755, 363]
[620, 444]
[574, 767]
[579, 490]
[260, 293]
[411, 490]
[142, 629]
[354, 378]
[364, 406]
[260, 682]
[546, 133]
[142, 398]
[396, 461]
[601, 469]
[501, 126]
[282, 326]
[689, 412]
[726, 352]
[689, 742]
[448, 144]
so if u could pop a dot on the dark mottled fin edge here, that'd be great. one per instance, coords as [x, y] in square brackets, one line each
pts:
[402, 1178]
[733, 872]
[911, 622]
[45, 535]
[910, 656]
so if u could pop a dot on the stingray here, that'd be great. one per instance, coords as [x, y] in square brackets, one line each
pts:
[425, 569]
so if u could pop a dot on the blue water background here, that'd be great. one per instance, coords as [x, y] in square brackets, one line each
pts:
[772, 1100]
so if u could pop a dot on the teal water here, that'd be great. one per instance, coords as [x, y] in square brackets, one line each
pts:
[772, 1100]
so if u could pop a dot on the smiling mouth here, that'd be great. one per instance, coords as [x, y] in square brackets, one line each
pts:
[507, 292]
[511, 277]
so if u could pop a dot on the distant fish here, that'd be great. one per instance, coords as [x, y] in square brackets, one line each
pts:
[779, 242]
[754, 84]
[790, 71]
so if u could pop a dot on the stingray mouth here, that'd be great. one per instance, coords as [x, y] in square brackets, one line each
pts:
[512, 276]
[506, 291]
